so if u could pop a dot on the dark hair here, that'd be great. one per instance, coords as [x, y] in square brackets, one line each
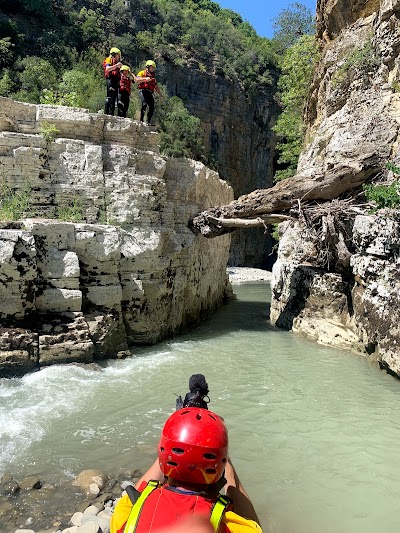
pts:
[198, 391]
[198, 383]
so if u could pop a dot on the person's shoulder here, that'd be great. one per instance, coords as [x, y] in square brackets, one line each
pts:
[121, 513]
[141, 74]
[108, 60]
[238, 524]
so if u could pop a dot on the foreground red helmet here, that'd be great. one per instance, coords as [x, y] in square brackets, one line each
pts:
[193, 446]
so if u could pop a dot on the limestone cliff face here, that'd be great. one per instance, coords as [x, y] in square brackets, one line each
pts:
[358, 311]
[353, 110]
[84, 291]
[335, 15]
[237, 132]
[353, 122]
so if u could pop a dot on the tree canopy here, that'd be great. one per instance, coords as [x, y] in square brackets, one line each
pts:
[292, 23]
[52, 50]
[294, 84]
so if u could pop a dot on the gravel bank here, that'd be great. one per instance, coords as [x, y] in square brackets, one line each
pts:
[247, 275]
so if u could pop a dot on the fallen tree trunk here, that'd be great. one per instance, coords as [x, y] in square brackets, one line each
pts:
[248, 222]
[283, 196]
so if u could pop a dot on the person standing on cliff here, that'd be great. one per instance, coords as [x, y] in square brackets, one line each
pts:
[125, 84]
[111, 66]
[146, 89]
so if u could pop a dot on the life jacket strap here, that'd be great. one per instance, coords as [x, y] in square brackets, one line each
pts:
[134, 515]
[218, 511]
[133, 494]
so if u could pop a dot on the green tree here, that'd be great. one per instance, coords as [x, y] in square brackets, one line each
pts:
[180, 131]
[292, 23]
[7, 84]
[6, 49]
[92, 23]
[297, 70]
[37, 7]
[85, 85]
[35, 74]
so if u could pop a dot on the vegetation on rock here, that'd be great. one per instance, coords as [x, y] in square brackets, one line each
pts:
[358, 60]
[14, 204]
[385, 196]
[52, 50]
[297, 71]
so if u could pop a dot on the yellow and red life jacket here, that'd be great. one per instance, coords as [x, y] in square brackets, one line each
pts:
[110, 62]
[125, 83]
[149, 85]
[163, 506]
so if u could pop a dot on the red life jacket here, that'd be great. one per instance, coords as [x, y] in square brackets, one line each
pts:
[149, 85]
[125, 84]
[113, 73]
[165, 506]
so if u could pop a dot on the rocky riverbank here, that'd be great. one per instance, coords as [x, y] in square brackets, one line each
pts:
[82, 506]
[357, 308]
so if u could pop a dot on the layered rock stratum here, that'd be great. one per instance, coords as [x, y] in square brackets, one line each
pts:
[353, 119]
[237, 131]
[131, 271]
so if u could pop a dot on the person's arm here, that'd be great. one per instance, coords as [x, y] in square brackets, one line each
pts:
[235, 490]
[159, 92]
[153, 472]
[109, 68]
[142, 77]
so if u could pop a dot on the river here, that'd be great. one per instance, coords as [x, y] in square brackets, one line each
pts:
[314, 432]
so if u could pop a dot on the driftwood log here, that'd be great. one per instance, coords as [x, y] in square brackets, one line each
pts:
[265, 206]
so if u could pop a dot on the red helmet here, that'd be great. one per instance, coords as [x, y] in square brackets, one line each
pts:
[193, 446]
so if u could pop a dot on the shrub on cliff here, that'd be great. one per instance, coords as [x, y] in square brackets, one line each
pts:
[294, 84]
[358, 61]
[180, 131]
[383, 196]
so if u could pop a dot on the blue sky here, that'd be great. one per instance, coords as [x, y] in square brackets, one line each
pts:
[260, 12]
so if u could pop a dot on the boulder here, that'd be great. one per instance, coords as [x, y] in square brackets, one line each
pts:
[86, 478]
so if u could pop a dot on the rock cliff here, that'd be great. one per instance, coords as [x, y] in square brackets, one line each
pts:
[131, 272]
[357, 310]
[237, 132]
[353, 122]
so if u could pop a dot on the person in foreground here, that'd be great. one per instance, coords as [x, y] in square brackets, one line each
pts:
[185, 481]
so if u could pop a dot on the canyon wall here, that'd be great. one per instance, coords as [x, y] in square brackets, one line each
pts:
[353, 117]
[127, 270]
[357, 310]
[237, 132]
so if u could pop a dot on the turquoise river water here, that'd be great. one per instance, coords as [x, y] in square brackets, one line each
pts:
[314, 432]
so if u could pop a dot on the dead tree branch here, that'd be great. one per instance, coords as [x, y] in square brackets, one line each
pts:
[285, 195]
